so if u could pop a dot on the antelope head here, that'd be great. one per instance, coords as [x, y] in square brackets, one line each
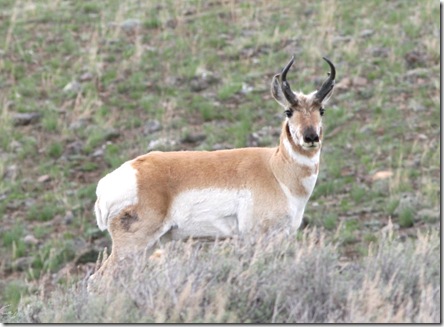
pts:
[304, 112]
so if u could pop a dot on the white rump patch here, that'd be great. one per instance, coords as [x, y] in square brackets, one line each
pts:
[211, 212]
[115, 192]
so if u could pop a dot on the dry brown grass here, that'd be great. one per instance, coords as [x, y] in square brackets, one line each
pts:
[275, 278]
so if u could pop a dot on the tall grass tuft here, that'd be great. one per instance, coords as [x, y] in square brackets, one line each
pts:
[276, 278]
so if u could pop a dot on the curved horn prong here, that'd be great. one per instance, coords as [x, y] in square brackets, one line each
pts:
[286, 89]
[329, 83]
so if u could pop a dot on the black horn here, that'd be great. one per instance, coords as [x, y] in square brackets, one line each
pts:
[289, 95]
[327, 86]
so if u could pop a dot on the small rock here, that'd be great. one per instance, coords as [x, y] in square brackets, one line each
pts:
[366, 129]
[193, 138]
[11, 172]
[365, 93]
[152, 126]
[407, 201]
[112, 41]
[30, 239]
[72, 87]
[22, 119]
[172, 23]
[69, 217]
[130, 24]
[14, 205]
[112, 134]
[415, 106]
[197, 84]
[98, 153]
[202, 80]
[379, 52]
[172, 80]
[416, 73]
[359, 81]
[422, 137]
[366, 33]
[253, 140]
[262, 137]
[246, 88]
[78, 124]
[30, 202]
[416, 58]
[160, 144]
[86, 77]
[373, 223]
[219, 146]
[44, 179]
[343, 84]
[381, 187]
[383, 174]
[15, 145]
[23, 263]
[429, 215]
[154, 144]
[8, 105]
[308, 12]
[75, 147]
[341, 39]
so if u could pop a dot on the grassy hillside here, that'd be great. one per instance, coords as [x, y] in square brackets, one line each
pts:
[87, 85]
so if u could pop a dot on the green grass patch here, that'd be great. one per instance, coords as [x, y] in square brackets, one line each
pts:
[51, 257]
[12, 235]
[43, 212]
[87, 192]
[55, 150]
[330, 221]
[13, 293]
[406, 217]
[358, 193]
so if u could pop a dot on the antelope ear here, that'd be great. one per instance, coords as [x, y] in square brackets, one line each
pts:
[327, 97]
[276, 91]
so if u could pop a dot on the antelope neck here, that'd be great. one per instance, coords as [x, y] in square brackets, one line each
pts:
[293, 168]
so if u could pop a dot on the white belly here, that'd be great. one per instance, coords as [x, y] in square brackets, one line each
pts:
[211, 212]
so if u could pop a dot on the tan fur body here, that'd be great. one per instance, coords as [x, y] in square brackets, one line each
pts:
[162, 176]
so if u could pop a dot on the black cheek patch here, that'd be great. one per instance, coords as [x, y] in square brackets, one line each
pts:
[127, 220]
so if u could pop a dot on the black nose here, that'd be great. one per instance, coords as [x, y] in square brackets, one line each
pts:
[310, 136]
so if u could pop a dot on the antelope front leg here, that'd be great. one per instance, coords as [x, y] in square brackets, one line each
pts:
[102, 274]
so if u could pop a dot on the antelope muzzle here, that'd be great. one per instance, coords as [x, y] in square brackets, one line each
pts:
[311, 138]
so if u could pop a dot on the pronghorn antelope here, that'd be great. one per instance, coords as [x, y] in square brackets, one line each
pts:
[177, 195]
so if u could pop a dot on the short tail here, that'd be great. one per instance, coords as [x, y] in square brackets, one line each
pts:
[101, 215]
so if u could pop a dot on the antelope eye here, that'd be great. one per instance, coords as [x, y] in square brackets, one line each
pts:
[288, 113]
[322, 110]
